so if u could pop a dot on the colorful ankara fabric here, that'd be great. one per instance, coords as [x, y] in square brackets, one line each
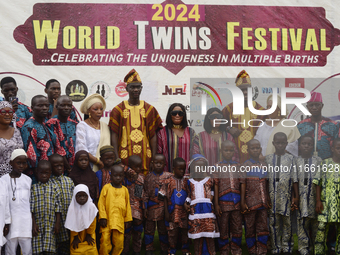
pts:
[211, 149]
[204, 246]
[149, 232]
[132, 77]
[281, 235]
[45, 203]
[23, 114]
[257, 232]
[39, 142]
[135, 126]
[176, 196]
[326, 130]
[152, 185]
[230, 224]
[328, 179]
[73, 115]
[66, 134]
[229, 187]
[7, 146]
[66, 187]
[172, 146]
[104, 177]
[202, 220]
[321, 237]
[83, 246]
[114, 205]
[248, 132]
[134, 229]
[256, 185]
[136, 193]
[307, 229]
[306, 173]
[281, 182]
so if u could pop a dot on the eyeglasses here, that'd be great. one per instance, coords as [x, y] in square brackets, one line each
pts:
[180, 113]
[4, 112]
[215, 116]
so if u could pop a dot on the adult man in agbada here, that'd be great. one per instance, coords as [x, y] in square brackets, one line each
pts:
[134, 123]
[241, 131]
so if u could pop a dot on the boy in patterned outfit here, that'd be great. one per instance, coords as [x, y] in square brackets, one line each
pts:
[327, 198]
[306, 167]
[45, 209]
[227, 202]
[282, 180]
[254, 202]
[154, 207]
[134, 184]
[66, 187]
[175, 213]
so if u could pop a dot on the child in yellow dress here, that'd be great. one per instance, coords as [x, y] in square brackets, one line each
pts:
[81, 221]
[114, 210]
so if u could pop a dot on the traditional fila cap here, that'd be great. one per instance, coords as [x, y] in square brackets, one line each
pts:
[315, 97]
[243, 80]
[132, 77]
[18, 152]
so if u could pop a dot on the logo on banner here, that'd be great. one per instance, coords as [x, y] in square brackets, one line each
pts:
[175, 90]
[76, 90]
[295, 83]
[120, 89]
[101, 88]
[199, 123]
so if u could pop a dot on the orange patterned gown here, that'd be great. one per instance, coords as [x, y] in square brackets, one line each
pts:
[135, 126]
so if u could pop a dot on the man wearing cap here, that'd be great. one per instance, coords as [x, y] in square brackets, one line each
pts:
[134, 123]
[322, 129]
[9, 89]
[240, 129]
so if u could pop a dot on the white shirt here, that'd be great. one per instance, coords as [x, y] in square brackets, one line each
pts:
[87, 138]
[21, 216]
[5, 215]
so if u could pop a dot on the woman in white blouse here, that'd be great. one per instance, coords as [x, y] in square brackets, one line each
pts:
[92, 134]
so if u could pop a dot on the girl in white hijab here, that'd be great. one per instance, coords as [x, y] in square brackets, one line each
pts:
[81, 221]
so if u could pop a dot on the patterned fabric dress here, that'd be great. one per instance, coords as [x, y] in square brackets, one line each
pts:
[256, 221]
[172, 146]
[248, 132]
[152, 185]
[211, 149]
[229, 197]
[328, 179]
[39, 142]
[202, 220]
[135, 228]
[23, 114]
[73, 114]
[66, 134]
[307, 217]
[45, 203]
[178, 224]
[7, 146]
[280, 193]
[326, 131]
[135, 126]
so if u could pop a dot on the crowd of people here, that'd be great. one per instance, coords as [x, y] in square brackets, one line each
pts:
[88, 187]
